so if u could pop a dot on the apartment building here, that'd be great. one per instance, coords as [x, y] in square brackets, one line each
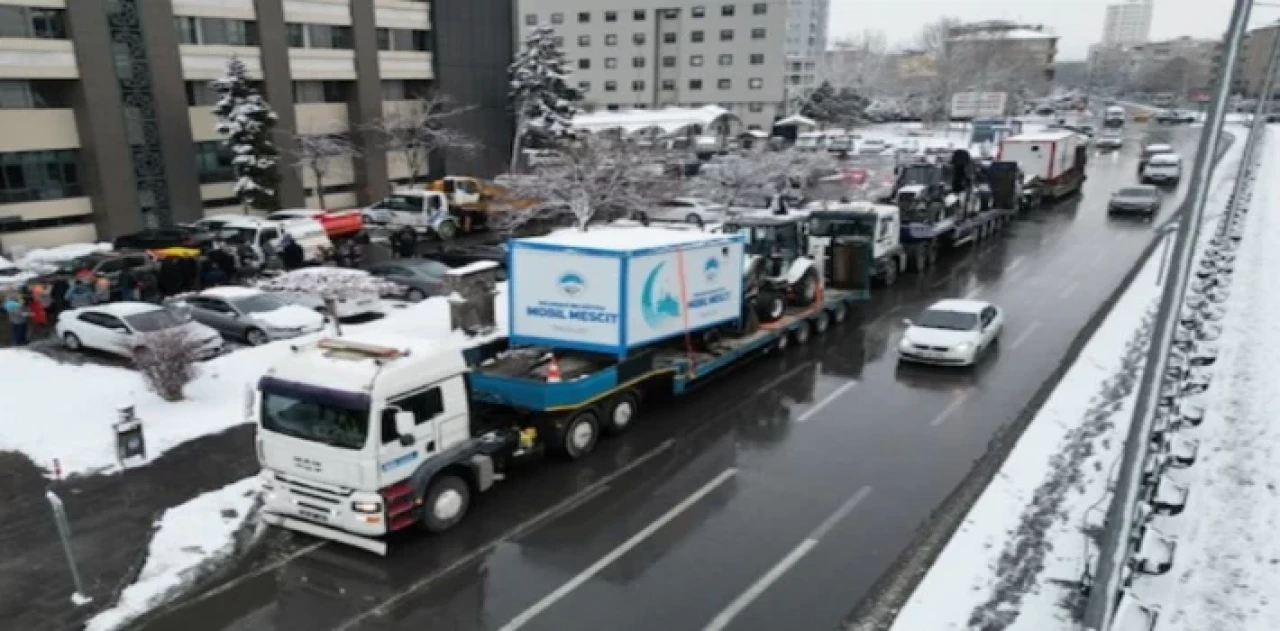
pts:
[1034, 49]
[1177, 65]
[1251, 71]
[1127, 23]
[105, 104]
[656, 53]
[807, 24]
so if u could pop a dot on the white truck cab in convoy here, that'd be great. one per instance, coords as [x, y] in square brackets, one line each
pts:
[420, 210]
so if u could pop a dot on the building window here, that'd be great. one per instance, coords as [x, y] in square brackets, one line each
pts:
[200, 93]
[405, 89]
[584, 86]
[610, 86]
[669, 61]
[726, 60]
[668, 38]
[726, 10]
[638, 15]
[13, 224]
[637, 86]
[584, 17]
[724, 84]
[216, 31]
[610, 63]
[320, 91]
[584, 64]
[695, 84]
[755, 83]
[757, 33]
[759, 8]
[695, 60]
[213, 162]
[33, 94]
[637, 62]
[404, 39]
[726, 35]
[33, 22]
[610, 40]
[638, 39]
[696, 36]
[557, 18]
[610, 16]
[296, 35]
[698, 12]
[531, 19]
[668, 85]
[757, 59]
[557, 41]
[584, 40]
[32, 176]
[756, 107]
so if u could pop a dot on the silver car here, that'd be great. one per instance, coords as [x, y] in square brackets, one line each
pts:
[251, 315]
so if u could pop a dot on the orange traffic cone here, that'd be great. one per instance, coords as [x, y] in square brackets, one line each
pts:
[553, 370]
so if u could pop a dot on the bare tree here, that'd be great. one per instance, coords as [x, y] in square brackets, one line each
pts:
[319, 154]
[596, 181]
[167, 361]
[742, 180]
[978, 63]
[416, 131]
[862, 63]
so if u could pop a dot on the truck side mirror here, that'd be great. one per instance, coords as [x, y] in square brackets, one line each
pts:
[405, 422]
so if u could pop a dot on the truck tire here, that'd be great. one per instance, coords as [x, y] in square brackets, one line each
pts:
[932, 249]
[840, 313]
[771, 306]
[447, 230]
[807, 288]
[620, 413]
[445, 503]
[890, 275]
[801, 333]
[580, 435]
[821, 323]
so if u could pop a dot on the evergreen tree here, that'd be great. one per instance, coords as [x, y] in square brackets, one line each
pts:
[819, 104]
[544, 100]
[247, 121]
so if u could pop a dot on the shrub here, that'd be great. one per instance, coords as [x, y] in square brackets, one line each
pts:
[167, 361]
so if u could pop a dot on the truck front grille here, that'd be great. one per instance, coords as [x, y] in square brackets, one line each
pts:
[316, 502]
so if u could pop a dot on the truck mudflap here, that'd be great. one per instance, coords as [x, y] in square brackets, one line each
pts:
[376, 546]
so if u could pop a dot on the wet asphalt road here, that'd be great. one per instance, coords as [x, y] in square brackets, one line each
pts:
[773, 499]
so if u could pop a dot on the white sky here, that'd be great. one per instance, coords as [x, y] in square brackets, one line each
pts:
[1077, 22]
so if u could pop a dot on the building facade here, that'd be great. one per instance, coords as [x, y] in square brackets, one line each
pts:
[1127, 23]
[806, 43]
[1177, 66]
[1251, 71]
[656, 53]
[1007, 54]
[106, 104]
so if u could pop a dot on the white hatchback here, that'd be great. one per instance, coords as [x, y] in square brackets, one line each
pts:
[952, 333]
[121, 328]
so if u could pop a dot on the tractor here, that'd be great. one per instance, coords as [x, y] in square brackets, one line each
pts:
[778, 270]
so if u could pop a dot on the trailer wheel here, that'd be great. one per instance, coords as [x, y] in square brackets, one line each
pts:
[933, 255]
[580, 434]
[445, 504]
[621, 413]
[821, 323]
[801, 333]
[890, 275]
[840, 313]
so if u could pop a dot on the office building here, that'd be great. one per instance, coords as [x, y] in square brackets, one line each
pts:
[1127, 23]
[106, 104]
[659, 53]
[1176, 66]
[1251, 72]
[991, 45]
[806, 43]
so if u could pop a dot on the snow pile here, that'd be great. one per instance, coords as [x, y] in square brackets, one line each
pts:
[326, 281]
[1227, 565]
[188, 536]
[55, 410]
[43, 260]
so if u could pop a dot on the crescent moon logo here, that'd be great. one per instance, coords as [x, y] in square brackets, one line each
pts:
[658, 303]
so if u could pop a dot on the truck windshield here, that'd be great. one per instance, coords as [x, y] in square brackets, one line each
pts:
[310, 420]
[843, 227]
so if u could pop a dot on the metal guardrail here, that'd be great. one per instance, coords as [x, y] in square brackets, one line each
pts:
[1148, 447]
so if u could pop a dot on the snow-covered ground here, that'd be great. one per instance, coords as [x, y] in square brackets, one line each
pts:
[1016, 561]
[187, 537]
[65, 412]
[1226, 567]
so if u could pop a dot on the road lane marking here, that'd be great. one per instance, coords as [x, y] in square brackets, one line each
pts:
[573, 501]
[949, 410]
[762, 584]
[617, 553]
[1013, 265]
[1069, 290]
[827, 400]
[1025, 335]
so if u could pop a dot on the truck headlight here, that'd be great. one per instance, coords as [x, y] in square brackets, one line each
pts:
[367, 507]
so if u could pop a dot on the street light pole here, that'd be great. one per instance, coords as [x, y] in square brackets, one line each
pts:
[1115, 547]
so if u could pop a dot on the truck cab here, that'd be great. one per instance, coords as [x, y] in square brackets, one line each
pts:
[856, 241]
[358, 438]
[423, 211]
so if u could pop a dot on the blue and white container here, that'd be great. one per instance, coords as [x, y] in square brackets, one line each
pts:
[610, 290]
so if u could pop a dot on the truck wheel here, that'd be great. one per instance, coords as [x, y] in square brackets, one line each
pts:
[840, 313]
[801, 333]
[890, 275]
[808, 288]
[447, 230]
[621, 413]
[933, 255]
[821, 323]
[771, 306]
[445, 503]
[580, 435]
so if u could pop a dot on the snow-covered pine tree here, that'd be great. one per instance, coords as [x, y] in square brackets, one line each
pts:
[247, 121]
[544, 100]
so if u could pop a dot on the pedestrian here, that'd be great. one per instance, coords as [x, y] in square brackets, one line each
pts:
[408, 243]
[188, 274]
[58, 291]
[292, 254]
[128, 284]
[37, 305]
[101, 290]
[250, 265]
[19, 317]
[79, 295]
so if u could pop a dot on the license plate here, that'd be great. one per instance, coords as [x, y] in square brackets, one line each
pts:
[312, 515]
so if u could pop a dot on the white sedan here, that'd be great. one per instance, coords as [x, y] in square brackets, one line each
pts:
[689, 209]
[952, 333]
[121, 328]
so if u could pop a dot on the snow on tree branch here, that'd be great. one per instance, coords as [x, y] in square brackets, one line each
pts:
[748, 180]
[320, 153]
[328, 282]
[543, 98]
[247, 122]
[417, 130]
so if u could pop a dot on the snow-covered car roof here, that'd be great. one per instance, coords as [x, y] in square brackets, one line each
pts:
[121, 309]
[230, 292]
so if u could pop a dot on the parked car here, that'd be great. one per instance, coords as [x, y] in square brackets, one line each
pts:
[107, 265]
[355, 292]
[689, 209]
[1135, 200]
[415, 280]
[952, 332]
[1163, 168]
[1174, 117]
[463, 256]
[161, 238]
[248, 314]
[122, 328]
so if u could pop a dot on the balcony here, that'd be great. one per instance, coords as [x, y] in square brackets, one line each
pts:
[402, 14]
[210, 62]
[405, 64]
[322, 64]
[321, 118]
[38, 130]
[22, 58]
[237, 9]
[337, 12]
